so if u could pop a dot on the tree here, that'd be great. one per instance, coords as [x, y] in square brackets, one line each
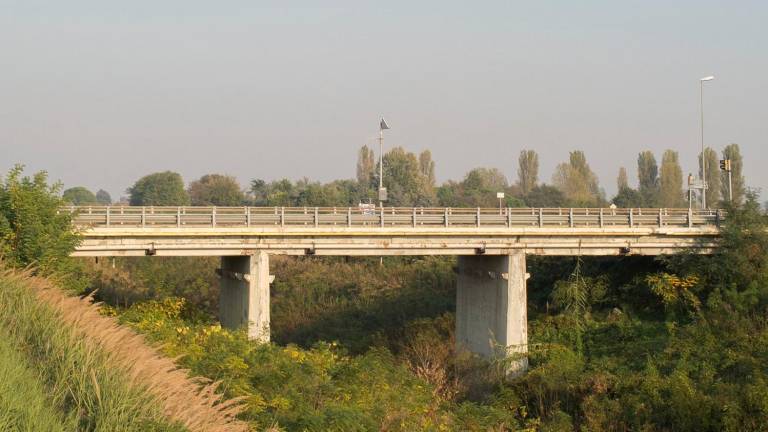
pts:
[733, 153]
[403, 178]
[479, 187]
[671, 180]
[628, 198]
[79, 195]
[528, 171]
[427, 167]
[159, 189]
[577, 181]
[216, 190]
[103, 197]
[622, 182]
[647, 176]
[545, 196]
[365, 165]
[32, 229]
[713, 176]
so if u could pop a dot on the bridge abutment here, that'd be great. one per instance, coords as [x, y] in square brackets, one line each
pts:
[491, 315]
[244, 294]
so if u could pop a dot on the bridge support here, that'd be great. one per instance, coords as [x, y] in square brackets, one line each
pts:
[491, 315]
[244, 294]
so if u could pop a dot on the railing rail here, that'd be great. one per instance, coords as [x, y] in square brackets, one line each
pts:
[413, 217]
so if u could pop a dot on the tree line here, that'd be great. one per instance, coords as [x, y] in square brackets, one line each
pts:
[410, 181]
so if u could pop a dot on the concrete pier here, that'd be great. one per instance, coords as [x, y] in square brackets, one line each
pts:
[244, 294]
[491, 316]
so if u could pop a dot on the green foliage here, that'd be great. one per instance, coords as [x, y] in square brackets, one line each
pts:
[103, 197]
[216, 190]
[545, 196]
[648, 178]
[406, 184]
[714, 180]
[732, 152]
[316, 389]
[79, 196]
[24, 401]
[306, 193]
[527, 171]
[577, 181]
[32, 229]
[628, 198]
[670, 181]
[478, 189]
[79, 379]
[159, 189]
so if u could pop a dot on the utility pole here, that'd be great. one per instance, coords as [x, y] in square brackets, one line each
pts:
[382, 192]
[703, 159]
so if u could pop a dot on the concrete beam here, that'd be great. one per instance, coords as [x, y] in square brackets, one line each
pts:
[491, 314]
[244, 294]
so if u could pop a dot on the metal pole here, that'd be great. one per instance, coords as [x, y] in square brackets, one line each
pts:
[703, 159]
[381, 165]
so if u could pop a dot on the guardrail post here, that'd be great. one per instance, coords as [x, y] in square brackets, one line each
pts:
[317, 218]
[601, 218]
[143, 217]
[349, 216]
[541, 217]
[661, 218]
[717, 218]
[631, 220]
[178, 217]
[570, 217]
[690, 217]
[509, 217]
[381, 217]
[248, 217]
[445, 217]
[107, 215]
[414, 217]
[478, 217]
[213, 217]
[282, 216]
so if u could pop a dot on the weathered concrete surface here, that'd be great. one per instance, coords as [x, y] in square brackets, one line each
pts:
[491, 315]
[348, 241]
[244, 294]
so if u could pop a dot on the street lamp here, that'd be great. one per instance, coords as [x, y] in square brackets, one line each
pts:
[382, 192]
[703, 159]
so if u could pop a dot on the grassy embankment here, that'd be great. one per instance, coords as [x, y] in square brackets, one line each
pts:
[64, 366]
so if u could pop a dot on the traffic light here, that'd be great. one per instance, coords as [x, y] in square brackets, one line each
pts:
[725, 165]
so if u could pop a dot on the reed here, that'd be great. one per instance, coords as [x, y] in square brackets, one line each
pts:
[97, 367]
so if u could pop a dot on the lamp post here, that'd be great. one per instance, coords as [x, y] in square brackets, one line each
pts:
[382, 192]
[703, 159]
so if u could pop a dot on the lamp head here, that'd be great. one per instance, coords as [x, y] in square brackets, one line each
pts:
[708, 78]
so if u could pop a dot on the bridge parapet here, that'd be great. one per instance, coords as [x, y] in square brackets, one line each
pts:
[416, 217]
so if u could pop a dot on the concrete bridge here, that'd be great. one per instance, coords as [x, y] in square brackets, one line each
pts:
[491, 245]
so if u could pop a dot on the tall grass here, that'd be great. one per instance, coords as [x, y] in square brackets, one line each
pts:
[24, 402]
[104, 373]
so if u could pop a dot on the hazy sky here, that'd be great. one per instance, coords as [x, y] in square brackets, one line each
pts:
[99, 93]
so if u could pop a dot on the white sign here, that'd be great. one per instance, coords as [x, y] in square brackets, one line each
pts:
[500, 195]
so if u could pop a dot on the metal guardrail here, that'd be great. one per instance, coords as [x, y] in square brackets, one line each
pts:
[195, 217]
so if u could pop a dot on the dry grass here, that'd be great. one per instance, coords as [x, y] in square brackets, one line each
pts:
[191, 401]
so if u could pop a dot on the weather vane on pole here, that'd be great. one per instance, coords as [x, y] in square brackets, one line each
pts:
[382, 190]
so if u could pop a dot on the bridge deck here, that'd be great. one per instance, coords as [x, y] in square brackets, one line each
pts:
[127, 230]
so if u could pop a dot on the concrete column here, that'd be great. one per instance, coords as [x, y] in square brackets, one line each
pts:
[491, 315]
[244, 294]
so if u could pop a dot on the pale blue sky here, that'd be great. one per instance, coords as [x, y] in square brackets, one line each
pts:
[99, 93]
